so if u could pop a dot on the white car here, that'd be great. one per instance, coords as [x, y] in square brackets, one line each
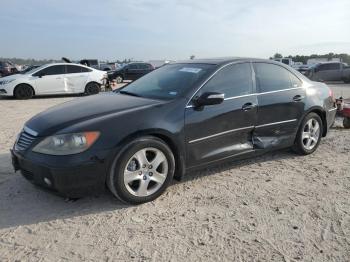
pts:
[52, 79]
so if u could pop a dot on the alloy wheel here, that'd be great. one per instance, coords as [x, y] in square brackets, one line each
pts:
[311, 134]
[145, 172]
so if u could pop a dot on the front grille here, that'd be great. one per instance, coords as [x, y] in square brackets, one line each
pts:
[24, 141]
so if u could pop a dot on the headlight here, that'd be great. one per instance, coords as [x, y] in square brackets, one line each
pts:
[66, 144]
[5, 82]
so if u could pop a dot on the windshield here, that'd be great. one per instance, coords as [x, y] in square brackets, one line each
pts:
[169, 81]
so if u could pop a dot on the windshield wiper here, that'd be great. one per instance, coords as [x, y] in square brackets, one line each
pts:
[128, 93]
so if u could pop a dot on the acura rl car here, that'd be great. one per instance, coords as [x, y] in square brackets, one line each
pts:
[53, 79]
[177, 118]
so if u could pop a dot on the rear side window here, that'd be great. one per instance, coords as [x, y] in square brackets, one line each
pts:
[85, 70]
[296, 82]
[233, 80]
[270, 77]
[73, 69]
[52, 70]
[133, 66]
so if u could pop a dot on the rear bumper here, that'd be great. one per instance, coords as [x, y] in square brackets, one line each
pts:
[69, 181]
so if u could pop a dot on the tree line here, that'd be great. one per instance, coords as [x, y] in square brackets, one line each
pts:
[30, 61]
[303, 58]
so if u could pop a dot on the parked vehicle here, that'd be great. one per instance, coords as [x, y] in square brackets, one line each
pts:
[90, 63]
[131, 71]
[29, 68]
[50, 79]
[7, 68]
[343, 106]
[331, 71]
[178, 118]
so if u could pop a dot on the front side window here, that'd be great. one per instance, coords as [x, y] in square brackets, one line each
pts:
[52, 70]
[233, 80]
[169, 82]
[271, 77]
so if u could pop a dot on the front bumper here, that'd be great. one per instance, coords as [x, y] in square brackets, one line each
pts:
[64, 177]
[5, 91]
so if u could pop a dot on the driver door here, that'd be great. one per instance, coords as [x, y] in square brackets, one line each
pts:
[50, 80]
[215, 132]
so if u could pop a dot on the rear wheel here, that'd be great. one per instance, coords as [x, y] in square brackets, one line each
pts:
[23, 91]
[142, 172]
[309, 135]
[92, 88]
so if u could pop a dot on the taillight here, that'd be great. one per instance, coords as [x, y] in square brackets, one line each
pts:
[331, 94]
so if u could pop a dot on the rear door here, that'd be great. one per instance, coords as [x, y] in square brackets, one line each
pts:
[75, 78]
[281, 105]
[50, 80]
[219, 131]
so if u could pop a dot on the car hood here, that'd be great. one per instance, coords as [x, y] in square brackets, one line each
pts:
[82, 109]
[12, 77]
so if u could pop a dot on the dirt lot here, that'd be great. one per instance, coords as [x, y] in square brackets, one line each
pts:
[278, 207]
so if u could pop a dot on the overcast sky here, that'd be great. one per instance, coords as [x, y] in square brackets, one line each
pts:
[172, 29]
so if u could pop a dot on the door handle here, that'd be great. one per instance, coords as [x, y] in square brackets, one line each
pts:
[298, 98]
[248, 106]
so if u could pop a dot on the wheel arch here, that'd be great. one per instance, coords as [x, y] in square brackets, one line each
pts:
[168, 139]
[14, 89]
[322, 114]
[92, 82]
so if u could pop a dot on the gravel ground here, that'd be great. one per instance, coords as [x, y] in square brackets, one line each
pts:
[278, 207]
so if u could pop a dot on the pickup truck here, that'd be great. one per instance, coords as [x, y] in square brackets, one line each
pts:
[330, 71]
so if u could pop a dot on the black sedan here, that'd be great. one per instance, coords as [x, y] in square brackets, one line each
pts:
[131, 71]
[180, 117]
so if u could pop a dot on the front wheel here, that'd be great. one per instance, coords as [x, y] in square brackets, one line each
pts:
[23, 91]
[142, 171]
[309, 135]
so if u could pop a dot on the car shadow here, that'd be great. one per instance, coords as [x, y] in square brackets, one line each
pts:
[22, 203]
[232, 164]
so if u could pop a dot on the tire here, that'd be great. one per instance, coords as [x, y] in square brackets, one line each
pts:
[92, 88]
[309, 135]
[346, 122]
[23, 91]
[132, 179]
[119, 79]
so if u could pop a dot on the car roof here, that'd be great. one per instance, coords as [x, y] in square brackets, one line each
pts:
[51, 64]
[224, 60]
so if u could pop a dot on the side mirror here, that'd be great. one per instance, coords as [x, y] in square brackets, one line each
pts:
[40, 75]
[209, 98]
